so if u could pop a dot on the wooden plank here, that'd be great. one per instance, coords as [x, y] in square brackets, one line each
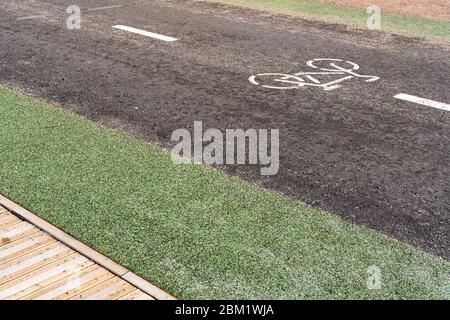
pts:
[7, 219]
[40, 261]
[143, 296]
[35, 273]
[24, 246]
[45, 277]
[137, 295]
[28, 255]
[130, 295]
[63, 237]
[109, 291]
[100, 290]
[147, 287]
[16, 232]
[11, 231]
[18, 261]
[126, 289]
[3, 214]
[66, 285]
[10, 223]
[28, 263]
[88, 282]
[2, 227]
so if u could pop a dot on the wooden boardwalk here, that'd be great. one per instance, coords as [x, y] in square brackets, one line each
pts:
[34, 265]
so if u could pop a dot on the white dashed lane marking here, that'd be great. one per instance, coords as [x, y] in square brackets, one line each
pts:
[146, 33]
[105, 8]
[422, 101]
[31, 17]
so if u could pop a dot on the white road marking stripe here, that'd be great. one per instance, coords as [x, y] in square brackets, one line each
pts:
[312, 79]
[31, 17]
[422, 101]
[145, 33]
[105, 8]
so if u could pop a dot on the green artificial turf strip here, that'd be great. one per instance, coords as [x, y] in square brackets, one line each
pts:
[191, 230]
[314, 9]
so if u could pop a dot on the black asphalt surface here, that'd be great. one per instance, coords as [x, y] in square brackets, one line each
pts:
[354, 151]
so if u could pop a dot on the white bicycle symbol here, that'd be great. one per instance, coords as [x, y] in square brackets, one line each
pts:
[303, 79]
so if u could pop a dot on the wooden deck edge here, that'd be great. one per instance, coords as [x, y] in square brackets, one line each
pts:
[85, 250]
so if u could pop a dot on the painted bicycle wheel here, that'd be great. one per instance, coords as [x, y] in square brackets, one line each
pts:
[277, 81]
[332, 65]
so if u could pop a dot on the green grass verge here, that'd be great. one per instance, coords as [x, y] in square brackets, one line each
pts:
[189, 229]
[313, 9]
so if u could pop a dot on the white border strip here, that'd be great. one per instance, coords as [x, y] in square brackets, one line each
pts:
[86, 251]
[146, 33]
[422, 101]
